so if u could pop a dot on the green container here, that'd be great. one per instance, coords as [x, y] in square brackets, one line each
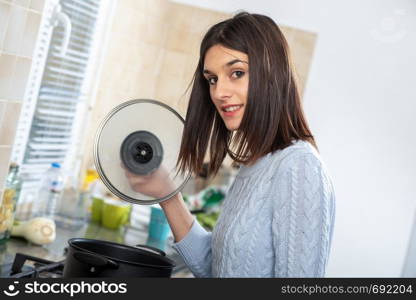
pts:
[115, 214]
[96, 209]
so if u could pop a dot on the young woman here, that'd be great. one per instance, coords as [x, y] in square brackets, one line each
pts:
[277, 218]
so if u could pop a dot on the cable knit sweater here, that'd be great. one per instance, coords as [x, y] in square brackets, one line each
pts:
[277, 220]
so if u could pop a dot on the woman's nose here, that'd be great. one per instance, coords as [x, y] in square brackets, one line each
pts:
[222, 89]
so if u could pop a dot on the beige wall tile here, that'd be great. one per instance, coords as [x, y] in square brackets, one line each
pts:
[178, 40]
[174, 63]
[169, 89]
[302, 48]
[217, 17]
[24, 3]
[133, 71]
[185, 93]
[135, 32]
[148, 58]
[138, 5]
[156, 8]
[4, 19]
[190, 67]
[37, 5]
[4, 164]
[154, 31]
[110, 79]
[182, 41]
[195, 39]
[20, 77]
[179, 16]
[203, 19]
[9, 123]
[137, 26]
[144, 86]
[288, 32]
[7, 68]
[137, 85]
[15, 29]
[16, 37]
[304, 42]
[30, 34]
[126, 21]
[2, 110]
[119, 50]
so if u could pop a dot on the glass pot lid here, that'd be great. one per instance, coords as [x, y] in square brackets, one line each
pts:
[136, 149]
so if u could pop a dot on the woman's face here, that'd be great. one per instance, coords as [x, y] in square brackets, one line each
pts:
[227, 73]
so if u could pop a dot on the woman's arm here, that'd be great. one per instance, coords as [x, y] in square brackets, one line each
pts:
[178, 215]
[192, 241]
[303, 218]
[158, 184]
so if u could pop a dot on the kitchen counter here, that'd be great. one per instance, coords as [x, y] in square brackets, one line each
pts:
[55, 250]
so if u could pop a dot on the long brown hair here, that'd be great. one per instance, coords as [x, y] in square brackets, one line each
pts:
[273, 117]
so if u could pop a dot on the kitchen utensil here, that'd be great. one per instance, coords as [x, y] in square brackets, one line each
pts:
[142, 137]
[95, 258]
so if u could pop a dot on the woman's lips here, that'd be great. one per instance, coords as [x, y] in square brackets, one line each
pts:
[231, 113]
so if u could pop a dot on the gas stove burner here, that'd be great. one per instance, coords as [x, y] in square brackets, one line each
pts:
[141, 136]
[40, 268]
[141, 152]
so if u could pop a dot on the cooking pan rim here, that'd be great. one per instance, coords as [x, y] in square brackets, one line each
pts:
[166, 259]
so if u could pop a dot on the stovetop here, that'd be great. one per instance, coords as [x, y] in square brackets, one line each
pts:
[21, 259]
[26, 266]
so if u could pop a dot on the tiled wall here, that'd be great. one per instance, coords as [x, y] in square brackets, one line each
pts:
[19, 25]
[187, 26]
[302, 45]
[153, 54]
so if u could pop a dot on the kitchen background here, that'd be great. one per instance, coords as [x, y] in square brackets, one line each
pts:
[354, 65]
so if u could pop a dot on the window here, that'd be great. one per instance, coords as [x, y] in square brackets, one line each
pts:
[60, 86]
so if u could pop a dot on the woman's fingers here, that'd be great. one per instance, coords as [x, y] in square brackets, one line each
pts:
[133, 178]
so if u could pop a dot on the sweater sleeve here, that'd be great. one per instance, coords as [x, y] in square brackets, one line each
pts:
[195, 249]
[302, 221]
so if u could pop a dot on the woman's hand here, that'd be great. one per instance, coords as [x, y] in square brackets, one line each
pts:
[156, 184]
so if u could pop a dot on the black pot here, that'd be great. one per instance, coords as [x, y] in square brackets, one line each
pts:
[95, 258]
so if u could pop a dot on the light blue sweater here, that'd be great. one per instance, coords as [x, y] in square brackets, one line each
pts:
[277, 220]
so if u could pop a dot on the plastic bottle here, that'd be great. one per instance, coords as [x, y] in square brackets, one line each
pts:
[9, 201]
[50, 192]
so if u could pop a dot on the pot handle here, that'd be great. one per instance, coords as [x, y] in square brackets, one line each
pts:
[94, 260]
[151, 249]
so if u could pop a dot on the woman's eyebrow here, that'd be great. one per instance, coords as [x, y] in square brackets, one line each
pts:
[228, 64]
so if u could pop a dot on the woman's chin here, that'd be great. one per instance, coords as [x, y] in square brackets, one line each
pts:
[232, 126]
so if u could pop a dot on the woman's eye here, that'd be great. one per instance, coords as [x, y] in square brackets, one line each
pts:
[238, 74]
[212, 80]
